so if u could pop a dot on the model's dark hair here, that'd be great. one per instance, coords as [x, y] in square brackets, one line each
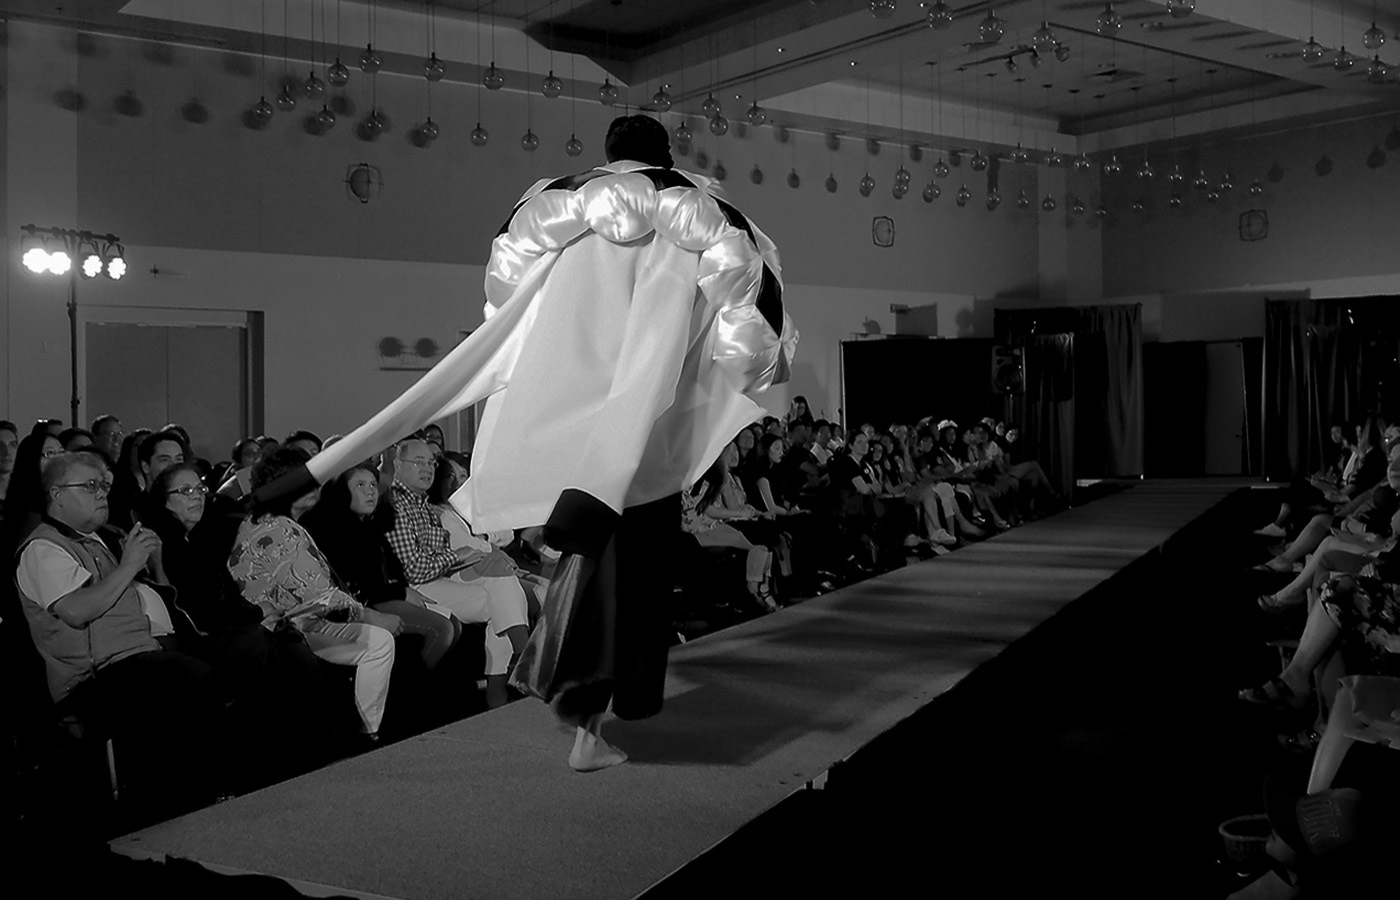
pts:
[270, 468]
[640, 138]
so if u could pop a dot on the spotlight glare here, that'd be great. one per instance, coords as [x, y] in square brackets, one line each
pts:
[116, 268]
[60, 262]
[36, 260]
[92, 265]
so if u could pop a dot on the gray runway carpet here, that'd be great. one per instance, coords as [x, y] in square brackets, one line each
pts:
[487, 807]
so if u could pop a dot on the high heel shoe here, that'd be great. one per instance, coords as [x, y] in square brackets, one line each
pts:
[765, 596]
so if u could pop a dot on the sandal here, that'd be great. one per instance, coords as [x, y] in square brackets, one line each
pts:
[1304, 741]
[1274, 692]
[1269, 603]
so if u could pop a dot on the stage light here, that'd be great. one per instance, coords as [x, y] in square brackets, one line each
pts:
[36, 260]
[115, 256]
[92, 265]
[60, 262]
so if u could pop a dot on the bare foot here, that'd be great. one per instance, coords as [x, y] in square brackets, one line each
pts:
[592, 753]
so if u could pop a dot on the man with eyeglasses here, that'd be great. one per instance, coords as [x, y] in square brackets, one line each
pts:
[423, 547]
[96, 626]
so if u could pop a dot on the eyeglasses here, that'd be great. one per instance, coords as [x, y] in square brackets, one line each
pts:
[190, 490]
[92, 486]
[50, 453]
[419, 463]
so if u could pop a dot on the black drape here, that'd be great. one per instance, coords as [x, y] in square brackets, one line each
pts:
[1050, 407]
[1326, 362]
[1107, 360]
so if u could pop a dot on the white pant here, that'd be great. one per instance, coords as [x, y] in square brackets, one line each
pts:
[370, 649]
[499, 602]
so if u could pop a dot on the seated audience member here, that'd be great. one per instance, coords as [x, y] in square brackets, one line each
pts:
[237, 480]
[1365, 469]
[272, 678]
[153, 454]
[723, 498]
[773, 425]
[75, 438]
[1305, 494]
[47, 426]
[495, 563]
[433, 435]
[107, 435]
[9, 445]
[25, 497]
[90, 618]
[748, 450]
[423, 548]
[820, 448]
[711, 532]
[952, 466]
[987, 460]
[305, 441]
[351, 526]
[799, 411]
[861, 501]
[931, 473]
[279, 569]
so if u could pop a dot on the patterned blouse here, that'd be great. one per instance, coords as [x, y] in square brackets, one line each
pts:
[278, 567]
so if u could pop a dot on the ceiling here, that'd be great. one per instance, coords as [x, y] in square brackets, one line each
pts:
[1231, 67]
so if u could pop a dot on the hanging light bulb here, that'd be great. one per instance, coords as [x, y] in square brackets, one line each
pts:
[940, 168]
[338, 73]
[831, 183]
[1049, 204]
[1376, 71]
[903, 176]
[794, 180]
[867, 185]
[1101, 211]
[1201, 182]
[1019, 155]
[1312, 50]
[1146, 172]
[1023, 200]
[899, 191]
[1043, 38]
[1343, 61]
[480, 136]
[1373, 38]
[683, 134]
[1062, 52]
[1180, 9]
[1212, 195]
[429, 130]
[325, 118]
[932, 192]
[607, 92]
[993, 199]
[313, 87]
[369, 60]
[1227, 182]
[285, 101]
[1108, 22]
[882, 9]
[573, 146]
[710, 107]
[1256, 187]
[661, 100]
[1175, 201]
[719, 125]
[552, 86]
[1176, 178]
[979, 162]
[263, 111]
[1078, 207]
[493, 78]
[371, 126]
[991, 28]
[1113, 166]
[1139, 205]
[963, 196]
[1082, 163]
[756, 115]
[1054, 160]
[529, 141]
[433, 69]
[940, 16]
[756, 174]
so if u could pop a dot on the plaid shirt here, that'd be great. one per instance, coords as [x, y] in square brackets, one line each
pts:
[418, 538]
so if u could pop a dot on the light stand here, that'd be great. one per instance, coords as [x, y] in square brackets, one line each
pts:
[69, 259]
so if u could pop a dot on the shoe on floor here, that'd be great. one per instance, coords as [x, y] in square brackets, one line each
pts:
[941, 536]
[1270, 530]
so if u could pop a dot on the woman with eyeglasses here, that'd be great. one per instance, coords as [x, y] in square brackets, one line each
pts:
[273, 678]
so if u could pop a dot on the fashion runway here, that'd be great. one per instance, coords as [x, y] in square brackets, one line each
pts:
[487, 806]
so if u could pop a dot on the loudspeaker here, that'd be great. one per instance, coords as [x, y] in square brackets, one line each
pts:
[1008, 369]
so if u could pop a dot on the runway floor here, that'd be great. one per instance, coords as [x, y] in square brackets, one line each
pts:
[487, 807]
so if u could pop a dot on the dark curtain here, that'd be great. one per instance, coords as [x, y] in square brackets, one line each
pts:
[1107, 361]
[1326, 362]
[1050, 407]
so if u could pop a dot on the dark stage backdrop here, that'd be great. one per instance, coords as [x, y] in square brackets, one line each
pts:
[905, 379]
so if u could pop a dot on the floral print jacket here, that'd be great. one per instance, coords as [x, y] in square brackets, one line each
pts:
[278, 567]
